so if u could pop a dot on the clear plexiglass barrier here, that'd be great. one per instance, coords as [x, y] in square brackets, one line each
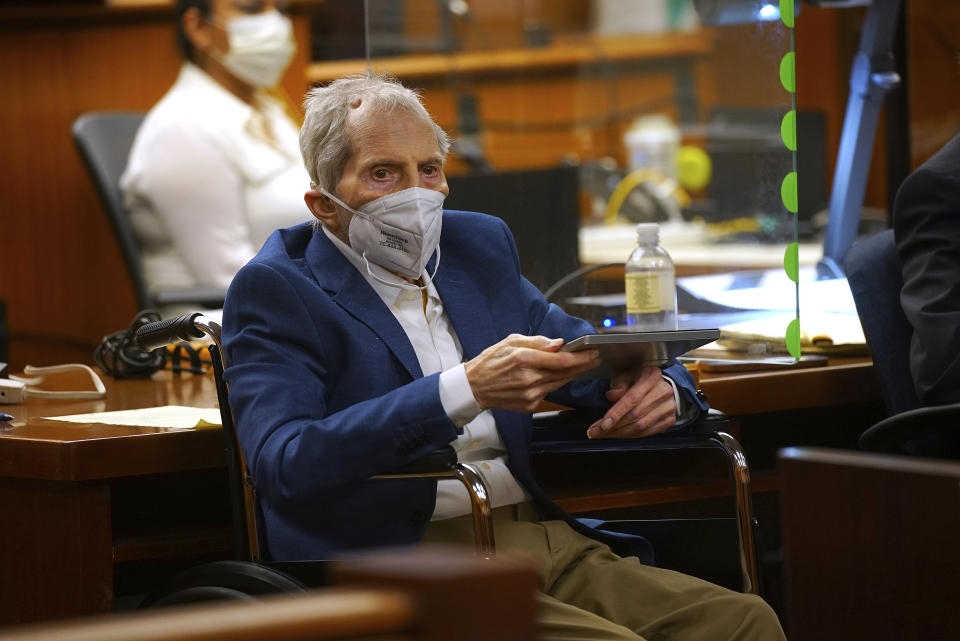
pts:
[574, 121]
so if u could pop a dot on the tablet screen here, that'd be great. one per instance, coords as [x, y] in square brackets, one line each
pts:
[629, 350]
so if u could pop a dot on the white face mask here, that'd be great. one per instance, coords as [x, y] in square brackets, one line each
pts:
[399, 231]
[261, 47]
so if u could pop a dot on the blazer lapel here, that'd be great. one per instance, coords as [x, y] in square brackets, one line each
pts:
[350, 290]
[466, 307]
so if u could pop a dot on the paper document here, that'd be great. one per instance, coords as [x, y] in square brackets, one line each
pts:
[168, 416]
[820, 333]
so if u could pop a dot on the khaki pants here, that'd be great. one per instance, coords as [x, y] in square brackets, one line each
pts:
[589, 593]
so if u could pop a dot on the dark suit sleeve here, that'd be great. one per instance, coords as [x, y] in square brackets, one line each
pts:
[280, 375]
[927, 231]
[550, 320]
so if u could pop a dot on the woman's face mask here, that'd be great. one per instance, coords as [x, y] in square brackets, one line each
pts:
[261, 47]
[399, 231]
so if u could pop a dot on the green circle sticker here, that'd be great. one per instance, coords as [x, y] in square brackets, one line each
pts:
[786, 12]
[788, 130]
[788, 192]
[791, 262]
[787, 72]
[793, 338]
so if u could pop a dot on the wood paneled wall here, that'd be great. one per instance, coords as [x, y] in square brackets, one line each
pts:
[62, 274]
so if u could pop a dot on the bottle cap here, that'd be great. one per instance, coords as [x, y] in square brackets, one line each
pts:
[648, 233]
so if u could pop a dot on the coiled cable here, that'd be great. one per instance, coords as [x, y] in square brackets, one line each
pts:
[118, 354]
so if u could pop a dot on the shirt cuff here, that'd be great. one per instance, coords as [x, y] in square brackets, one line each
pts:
[456, 396]
[676, 395]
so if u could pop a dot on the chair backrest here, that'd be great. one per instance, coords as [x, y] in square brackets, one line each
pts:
[873, 271]
[104, 140]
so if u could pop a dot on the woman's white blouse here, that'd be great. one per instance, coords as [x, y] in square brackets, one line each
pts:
[205, 185]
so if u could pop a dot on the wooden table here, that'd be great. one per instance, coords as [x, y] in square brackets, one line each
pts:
[870, 545]
[61, 482]
[80, 501]
[846, 381]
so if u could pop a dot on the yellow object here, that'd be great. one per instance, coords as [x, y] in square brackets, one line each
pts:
[819, 333]
[694, 168]
[634, 179]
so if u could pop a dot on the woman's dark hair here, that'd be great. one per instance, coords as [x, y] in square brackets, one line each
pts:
[183, 42]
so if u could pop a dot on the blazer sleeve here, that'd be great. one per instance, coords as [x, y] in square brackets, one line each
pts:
[280, 379]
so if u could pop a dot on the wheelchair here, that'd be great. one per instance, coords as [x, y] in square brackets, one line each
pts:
[252, 574]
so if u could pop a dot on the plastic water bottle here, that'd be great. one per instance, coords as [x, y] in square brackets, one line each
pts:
[650, 284]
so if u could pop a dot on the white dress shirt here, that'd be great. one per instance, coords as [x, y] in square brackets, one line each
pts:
[205, 185]
[438, 350]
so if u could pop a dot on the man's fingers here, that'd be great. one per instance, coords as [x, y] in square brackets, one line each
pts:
[533, 342]
[658, 420]
[581, 361]
[639, 409]
[635, 396]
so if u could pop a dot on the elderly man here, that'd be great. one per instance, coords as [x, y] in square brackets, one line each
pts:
[390, 328]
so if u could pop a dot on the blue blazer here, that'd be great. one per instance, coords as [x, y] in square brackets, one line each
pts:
[327, 390]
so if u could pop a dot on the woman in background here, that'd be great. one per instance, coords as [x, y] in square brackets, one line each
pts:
[216, 165]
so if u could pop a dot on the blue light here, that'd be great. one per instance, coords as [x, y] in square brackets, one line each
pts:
[609, 322]
[768, 12]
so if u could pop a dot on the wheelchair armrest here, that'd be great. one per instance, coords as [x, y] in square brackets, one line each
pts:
[209, 297]
[890, 434]
[559, 429]
[441, 460]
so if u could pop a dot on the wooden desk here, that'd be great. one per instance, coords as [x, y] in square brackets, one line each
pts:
[81, 500]
[870, 545]
[60, 482]
[427, 593]
[845, 381]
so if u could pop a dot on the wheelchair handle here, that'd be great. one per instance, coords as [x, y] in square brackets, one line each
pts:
[169, 330]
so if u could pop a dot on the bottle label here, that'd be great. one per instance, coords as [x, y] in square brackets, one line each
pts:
[643, 293]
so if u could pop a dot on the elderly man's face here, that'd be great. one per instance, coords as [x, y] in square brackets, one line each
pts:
[391, 152]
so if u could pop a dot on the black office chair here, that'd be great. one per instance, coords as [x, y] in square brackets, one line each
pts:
[104, 140]
[873, 271]
[554, 432]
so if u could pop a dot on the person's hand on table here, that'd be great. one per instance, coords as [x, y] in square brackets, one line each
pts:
[519, 371]
[643, 405]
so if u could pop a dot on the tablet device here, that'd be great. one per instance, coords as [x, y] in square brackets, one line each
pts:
[628, 350]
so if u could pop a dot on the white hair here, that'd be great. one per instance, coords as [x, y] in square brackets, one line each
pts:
[325, 141]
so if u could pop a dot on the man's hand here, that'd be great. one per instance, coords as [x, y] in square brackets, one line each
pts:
[643, 405]
[516, 373]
